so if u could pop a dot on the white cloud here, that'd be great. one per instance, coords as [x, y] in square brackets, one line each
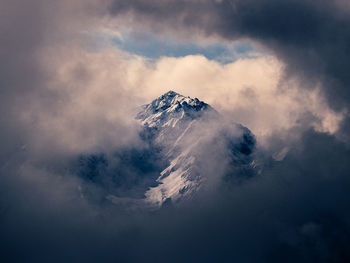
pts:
[251, 91]
[97, 94]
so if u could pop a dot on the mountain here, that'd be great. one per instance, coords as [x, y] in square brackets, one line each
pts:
[187, 147]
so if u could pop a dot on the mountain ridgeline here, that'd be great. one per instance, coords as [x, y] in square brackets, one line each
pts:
[188, 147]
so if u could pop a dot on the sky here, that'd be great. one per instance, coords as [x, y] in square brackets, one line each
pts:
[73, 73]
[153, 46]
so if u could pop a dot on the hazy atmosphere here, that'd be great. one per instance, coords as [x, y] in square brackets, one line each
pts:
[175, 131]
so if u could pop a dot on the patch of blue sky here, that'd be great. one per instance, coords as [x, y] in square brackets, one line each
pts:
[154, 47]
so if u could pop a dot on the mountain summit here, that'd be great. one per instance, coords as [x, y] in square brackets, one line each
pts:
[174, 102]
[171, 107]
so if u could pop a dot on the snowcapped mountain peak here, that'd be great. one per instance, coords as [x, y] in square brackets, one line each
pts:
[172, 101]
[171, 107]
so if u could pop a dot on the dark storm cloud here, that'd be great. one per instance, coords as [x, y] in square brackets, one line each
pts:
[18, 66]
[41, 209]
[288, 215]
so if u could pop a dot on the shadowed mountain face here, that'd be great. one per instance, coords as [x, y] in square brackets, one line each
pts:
[187, 147]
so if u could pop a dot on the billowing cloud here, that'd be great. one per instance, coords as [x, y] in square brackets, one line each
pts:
[310, 37]
[251, 90]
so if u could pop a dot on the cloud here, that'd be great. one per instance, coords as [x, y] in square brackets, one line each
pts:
[252, 91]
[97, 94]
[60, 98]
[309, 37]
